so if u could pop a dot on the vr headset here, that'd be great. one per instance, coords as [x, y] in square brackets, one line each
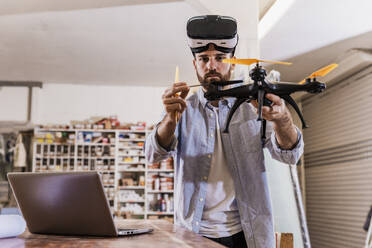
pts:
[221, 31]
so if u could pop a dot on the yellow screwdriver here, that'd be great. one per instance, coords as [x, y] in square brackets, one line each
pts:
[176, 80]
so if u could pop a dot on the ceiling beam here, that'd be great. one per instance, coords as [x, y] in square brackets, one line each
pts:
[264, 6]
[199, 7]
[20, 84]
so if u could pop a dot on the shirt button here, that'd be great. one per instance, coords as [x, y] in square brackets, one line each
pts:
[211, 115]
[197, 223]
[201, 199]
[211, 135]
[209, 156]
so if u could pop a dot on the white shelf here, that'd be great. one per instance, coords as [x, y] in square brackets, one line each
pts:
[54, 156]
[94, 144]
[159, 191]
[56, 130]
[132, 131]
[131, 155]
[135, 214]
[125, 163]
[97, 130]
[157, 170]
[130, 147]
[93, 157]
[79, 130]
[54, 143]
[159, 213]
[131, 170]
[133, 201]
[131, 187]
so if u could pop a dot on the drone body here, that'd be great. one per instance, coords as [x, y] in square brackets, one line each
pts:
[261, 87]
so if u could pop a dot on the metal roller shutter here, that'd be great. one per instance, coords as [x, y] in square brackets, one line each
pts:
[338, 161]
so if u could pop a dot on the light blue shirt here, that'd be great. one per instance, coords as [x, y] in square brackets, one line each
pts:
[193, 146]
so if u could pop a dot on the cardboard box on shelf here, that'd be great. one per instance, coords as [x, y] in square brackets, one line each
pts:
[127, 182]
[153, 217]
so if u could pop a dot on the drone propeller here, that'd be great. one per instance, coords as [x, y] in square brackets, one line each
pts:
[252, 61]
[321, 72]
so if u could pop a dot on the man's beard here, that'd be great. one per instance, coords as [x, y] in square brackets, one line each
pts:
[212, 76]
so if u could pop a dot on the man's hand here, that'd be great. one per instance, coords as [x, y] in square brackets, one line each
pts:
[174, 103]
[174, 99]
[285, 130]
[277, 112]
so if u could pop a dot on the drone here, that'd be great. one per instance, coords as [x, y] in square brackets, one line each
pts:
[261, 86]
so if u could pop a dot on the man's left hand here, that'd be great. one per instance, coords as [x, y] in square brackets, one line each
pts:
[285, 131]
[277, 112]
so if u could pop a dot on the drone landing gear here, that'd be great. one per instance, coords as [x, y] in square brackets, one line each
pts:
[263, 132]
[237, 103]
[290, 100]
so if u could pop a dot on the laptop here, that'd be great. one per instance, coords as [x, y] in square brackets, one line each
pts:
[65, 203]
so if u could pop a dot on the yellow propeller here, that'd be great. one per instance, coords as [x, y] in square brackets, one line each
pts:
[252, 61]
[321, 72]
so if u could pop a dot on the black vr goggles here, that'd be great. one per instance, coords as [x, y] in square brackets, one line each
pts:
[221, 31]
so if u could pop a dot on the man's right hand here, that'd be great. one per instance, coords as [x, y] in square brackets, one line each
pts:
[174, 100]
[174, 103]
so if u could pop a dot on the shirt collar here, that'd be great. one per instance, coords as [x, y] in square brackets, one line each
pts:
[229, 101]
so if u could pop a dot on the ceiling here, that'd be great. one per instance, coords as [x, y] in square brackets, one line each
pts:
[130, 44]
[140, 42]
[122, 42]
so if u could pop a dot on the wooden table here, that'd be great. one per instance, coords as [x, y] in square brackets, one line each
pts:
[165, 235]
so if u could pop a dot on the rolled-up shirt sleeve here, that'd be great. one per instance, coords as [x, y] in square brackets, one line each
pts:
[154, 152]
[286, 156]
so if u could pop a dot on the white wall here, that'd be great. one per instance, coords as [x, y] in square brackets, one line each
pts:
[283, 199]
[13, 103]
[60, 103]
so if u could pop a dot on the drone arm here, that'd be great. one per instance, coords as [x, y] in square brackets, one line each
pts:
[237, 103]
[290, 100]
[224, 83]
[244, 91]
[260, 101]
[263, 133]
[287, 89]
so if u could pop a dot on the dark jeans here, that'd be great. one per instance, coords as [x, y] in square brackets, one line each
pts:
[235, 241]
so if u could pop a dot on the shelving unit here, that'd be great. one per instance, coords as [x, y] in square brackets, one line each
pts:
[160, 185]
[131, 172]
[133, 188]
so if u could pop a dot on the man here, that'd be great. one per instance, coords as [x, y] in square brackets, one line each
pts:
[221, 187]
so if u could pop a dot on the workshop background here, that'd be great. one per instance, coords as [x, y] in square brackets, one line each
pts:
[81, 84]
